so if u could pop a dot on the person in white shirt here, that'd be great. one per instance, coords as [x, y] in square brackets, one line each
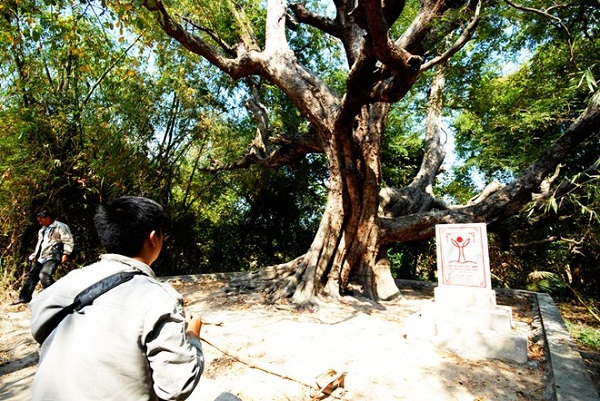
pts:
[54, 245]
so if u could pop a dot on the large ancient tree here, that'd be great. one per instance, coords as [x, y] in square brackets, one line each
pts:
[361, 219]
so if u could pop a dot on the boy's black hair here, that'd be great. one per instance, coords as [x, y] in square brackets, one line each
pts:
[45, 213]
[123, 224]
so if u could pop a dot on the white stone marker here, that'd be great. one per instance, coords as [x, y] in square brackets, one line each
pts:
[464, 317]
[464, 294]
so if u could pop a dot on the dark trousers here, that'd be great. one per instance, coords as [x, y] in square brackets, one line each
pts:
[40, 272]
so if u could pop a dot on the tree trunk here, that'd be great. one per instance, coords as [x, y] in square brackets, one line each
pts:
[343, 256]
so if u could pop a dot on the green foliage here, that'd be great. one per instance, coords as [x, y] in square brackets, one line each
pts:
[518, 86]
[414, 260]
[540, 281]
[589, 336]
[246, 220]
[509, 115]
[78, 125]
[402, 145]
[400, 155]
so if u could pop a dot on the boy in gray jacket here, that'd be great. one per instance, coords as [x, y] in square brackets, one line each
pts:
[133, 341]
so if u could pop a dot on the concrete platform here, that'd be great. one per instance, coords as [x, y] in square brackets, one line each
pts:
[568, 376]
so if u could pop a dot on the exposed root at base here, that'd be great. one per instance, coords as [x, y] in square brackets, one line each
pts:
[276, 282]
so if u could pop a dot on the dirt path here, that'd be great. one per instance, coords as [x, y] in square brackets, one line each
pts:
[256, 351]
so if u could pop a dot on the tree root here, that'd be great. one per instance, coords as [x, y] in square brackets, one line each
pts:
[274, 281]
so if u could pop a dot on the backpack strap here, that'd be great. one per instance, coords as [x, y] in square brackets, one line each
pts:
[85, 298]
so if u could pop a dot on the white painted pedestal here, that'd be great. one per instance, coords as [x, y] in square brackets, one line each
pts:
[467, 322]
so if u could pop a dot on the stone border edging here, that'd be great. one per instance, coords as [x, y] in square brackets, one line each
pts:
[569, 379]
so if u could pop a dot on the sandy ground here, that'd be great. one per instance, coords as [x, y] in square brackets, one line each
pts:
[260, 351]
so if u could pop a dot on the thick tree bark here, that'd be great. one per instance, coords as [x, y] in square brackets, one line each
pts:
[345, 249]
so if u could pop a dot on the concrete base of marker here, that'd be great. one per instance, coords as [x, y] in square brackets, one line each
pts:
[465, 297]
[468, 322]
[481, 344]
[499, 319]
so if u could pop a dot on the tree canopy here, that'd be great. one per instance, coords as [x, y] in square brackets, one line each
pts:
[346, 104]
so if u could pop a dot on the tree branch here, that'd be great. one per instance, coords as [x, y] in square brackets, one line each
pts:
[290, 150]
[460, 42]
[254, 364]
[305, 16]
[397, 83]
[548, 240]
[489, 189]
[504, 202]
[393, 56]
[584, 127]
[540, 12]
[276, 41]
[418, 195]
[277, 63]
[545, 14]
[260, 145]
[224, 45]
[242, 65]
[434, 152]
[415, 34]
[105, 73]
[590, 174]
